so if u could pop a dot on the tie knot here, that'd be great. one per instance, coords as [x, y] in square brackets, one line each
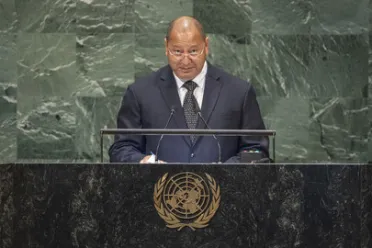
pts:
[190, 85]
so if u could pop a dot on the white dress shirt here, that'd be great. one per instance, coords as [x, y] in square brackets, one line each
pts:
[199, 91]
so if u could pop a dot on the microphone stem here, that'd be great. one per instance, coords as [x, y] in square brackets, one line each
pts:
[162, 136]
[214, 136]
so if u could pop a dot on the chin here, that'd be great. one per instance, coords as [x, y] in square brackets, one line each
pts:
[187, 76]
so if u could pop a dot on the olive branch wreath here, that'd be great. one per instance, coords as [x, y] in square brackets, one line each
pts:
[172, 221]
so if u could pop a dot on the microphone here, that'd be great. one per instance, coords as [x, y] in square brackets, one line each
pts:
[162, 136]
[214, 136]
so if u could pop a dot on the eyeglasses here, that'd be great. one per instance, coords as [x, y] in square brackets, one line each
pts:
[194, 53]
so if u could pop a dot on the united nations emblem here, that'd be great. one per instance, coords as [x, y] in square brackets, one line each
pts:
[186, 200]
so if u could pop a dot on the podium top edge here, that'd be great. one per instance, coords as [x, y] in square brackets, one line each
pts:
[144, 131]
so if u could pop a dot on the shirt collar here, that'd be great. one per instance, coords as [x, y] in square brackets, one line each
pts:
[199, 79]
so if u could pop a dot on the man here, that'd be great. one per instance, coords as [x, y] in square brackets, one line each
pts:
[189, 87]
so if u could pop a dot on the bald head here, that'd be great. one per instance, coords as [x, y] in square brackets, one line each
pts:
[186, 47]
[185, 24]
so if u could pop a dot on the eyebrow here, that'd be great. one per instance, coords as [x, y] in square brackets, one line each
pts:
[178, 46]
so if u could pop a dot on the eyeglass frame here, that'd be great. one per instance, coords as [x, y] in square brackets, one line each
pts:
[188, 54]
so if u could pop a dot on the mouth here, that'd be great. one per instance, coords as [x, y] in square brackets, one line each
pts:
[186, 69]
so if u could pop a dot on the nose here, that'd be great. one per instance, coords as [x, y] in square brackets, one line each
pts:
[186, 60]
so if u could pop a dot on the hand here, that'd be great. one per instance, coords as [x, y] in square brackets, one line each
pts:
[145, 160]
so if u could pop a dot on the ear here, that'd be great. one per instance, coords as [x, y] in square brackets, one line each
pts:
[206, 45]
[166, 46]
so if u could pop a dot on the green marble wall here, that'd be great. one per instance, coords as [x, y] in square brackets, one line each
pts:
[65, 64]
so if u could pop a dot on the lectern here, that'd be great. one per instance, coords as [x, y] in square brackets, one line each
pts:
[195, 205]
[97, 205]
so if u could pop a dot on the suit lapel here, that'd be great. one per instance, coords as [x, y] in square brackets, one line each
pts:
[168, 88]
[211, 93]
[212, 89]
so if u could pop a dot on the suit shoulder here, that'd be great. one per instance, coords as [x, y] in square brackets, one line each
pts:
[234, 81]
[147, 81]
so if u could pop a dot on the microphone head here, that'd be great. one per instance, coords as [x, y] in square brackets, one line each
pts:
[173, 108]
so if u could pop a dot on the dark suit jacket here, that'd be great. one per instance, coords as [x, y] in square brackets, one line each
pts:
[228, 103]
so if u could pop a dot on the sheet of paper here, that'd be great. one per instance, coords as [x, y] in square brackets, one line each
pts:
[151, 159]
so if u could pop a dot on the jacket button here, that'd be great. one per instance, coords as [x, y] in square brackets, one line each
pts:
[192, 155]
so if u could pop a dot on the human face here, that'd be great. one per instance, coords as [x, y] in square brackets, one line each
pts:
[186, 54]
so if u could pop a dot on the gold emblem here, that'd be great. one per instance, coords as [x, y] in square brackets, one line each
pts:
[186, 200]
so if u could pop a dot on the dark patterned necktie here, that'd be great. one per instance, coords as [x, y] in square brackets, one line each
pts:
[190, 107]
